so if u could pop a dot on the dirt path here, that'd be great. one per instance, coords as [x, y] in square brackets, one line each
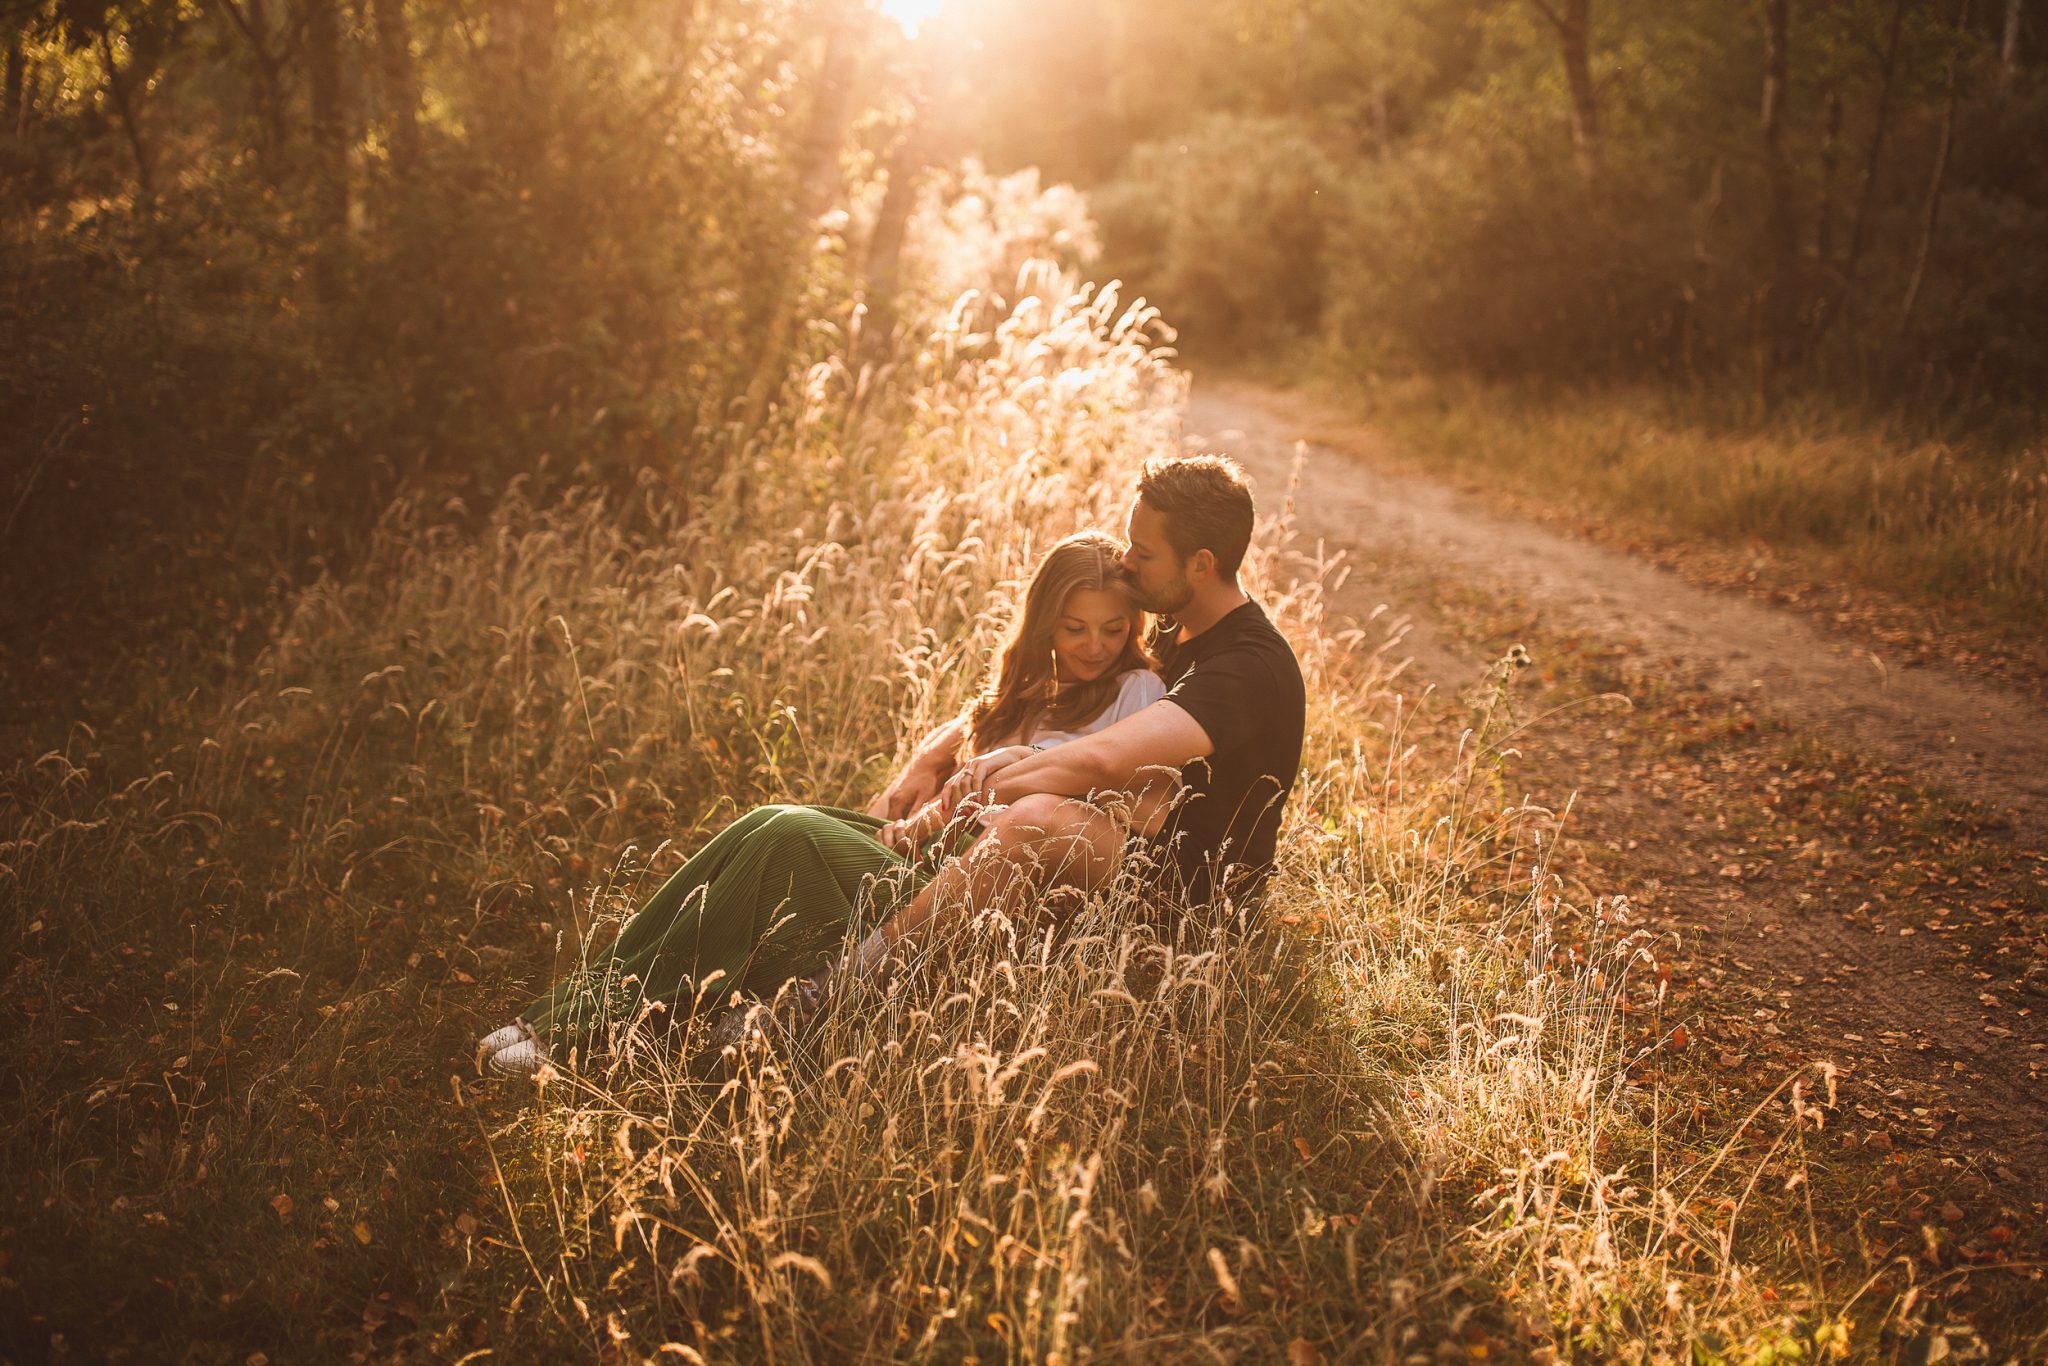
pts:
[1980, 742]
[1828, 908]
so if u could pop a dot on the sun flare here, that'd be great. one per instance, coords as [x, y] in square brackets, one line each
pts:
[912, 15]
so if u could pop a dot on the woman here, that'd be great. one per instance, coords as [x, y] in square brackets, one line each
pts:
[772, 897]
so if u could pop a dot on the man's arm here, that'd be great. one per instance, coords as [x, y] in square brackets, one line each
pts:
[1136, 753]
[934, 761]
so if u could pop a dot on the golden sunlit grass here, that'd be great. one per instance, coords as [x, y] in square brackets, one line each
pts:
[257, 938]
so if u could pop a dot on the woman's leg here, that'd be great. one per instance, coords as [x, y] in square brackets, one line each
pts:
[770, 903]
[678, 901]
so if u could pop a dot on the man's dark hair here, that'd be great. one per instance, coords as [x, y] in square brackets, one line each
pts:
[1207, 504]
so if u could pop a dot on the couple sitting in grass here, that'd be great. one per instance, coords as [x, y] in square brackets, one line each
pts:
[1101, 740]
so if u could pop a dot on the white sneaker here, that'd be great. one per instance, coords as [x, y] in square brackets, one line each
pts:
[499, 1038]
[520, 1059]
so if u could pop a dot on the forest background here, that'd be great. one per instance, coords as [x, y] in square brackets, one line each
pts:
[405, 244]
[325, 322]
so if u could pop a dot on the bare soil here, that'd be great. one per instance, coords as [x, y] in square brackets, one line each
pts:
[1849, 851]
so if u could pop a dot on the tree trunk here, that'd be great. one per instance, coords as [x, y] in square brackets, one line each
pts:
[543, 34]
[127, 107]
[1782, 297]
[1297, 59]
[2009, 48]
[519, 57]
[1830, 156]
[328, 126]
[267, 85]
[12, 112]
[1859, 223]
[399, 86]
[682, 32]
[816, 176]
[882, 270]
[1930, 218]
[1573, 25]
[522, 44]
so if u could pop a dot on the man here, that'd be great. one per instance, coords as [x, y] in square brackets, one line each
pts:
[1228, 733]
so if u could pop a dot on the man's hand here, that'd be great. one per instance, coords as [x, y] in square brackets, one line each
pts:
[971, 784]
[918, 783]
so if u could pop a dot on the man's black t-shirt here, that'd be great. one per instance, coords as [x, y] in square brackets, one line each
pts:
[1242, 684]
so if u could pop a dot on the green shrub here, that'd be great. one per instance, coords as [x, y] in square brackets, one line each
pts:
[1225, 228]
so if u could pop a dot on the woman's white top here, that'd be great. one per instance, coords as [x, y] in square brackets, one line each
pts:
[1140, 689]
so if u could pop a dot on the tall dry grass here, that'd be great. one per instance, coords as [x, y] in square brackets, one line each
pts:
[255, 936]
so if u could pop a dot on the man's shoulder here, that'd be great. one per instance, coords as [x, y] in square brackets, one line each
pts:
[1253, 635]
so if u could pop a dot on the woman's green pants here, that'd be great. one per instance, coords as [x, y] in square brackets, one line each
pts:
[771, 897]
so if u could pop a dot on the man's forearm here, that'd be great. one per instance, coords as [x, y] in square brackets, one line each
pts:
[934, 760]
[1135, 756]
[940, 750]
[1063, 771]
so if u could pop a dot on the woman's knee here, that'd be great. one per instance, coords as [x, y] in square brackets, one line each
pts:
[794, 822]
[1062, 840]
[1039, 811]
[750, 821]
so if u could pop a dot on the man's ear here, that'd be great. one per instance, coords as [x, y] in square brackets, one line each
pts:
[1201, 565]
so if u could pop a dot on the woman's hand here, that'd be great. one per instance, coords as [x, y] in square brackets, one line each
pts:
[971, 783]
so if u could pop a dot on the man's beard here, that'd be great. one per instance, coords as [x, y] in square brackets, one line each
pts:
[1177, 593]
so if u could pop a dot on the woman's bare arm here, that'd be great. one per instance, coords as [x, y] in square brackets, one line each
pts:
[934, 761]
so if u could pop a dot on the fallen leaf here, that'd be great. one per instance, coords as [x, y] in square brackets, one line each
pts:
[282, 1204]
[1302, 1352]
[362, 1232]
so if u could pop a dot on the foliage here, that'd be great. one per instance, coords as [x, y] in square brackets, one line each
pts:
[566, 242]
[1472, 233]
[1228, 221]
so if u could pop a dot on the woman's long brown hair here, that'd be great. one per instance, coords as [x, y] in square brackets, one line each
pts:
[1019, 694]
